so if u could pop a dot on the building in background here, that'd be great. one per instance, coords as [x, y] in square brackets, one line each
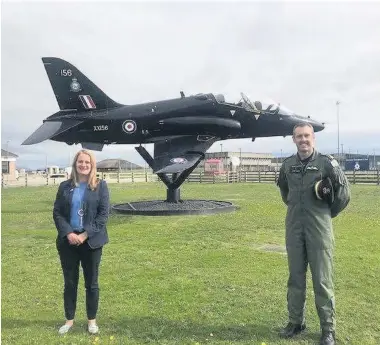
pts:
[213, 166]
[357, 161]
[115, 165]
[8, 165]
[348, 161]
[237, 161]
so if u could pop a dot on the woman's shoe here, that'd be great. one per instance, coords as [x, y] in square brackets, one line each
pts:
[64, 329]
[93, 328]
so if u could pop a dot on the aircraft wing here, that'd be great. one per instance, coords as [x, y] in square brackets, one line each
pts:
[179, 154]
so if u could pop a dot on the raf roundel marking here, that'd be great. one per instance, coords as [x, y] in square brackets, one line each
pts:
[179, 160]
[129, 126]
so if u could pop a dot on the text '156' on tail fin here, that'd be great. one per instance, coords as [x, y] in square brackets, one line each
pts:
[73, 90]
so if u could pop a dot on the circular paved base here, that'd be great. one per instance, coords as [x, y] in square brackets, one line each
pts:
[163, 208]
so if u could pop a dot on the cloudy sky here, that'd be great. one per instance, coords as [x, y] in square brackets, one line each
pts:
[304, 55]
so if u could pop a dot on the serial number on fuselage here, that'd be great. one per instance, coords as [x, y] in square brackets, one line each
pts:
[101, 128]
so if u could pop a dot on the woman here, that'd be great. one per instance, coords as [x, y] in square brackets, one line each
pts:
[80, 214]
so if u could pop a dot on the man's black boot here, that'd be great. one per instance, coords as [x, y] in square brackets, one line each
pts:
[327, 338]
[291, 330]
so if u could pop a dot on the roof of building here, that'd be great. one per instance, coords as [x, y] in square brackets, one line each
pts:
[117, 164]
[7, 154]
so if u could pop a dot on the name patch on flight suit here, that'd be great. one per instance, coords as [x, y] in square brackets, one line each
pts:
[295, 169]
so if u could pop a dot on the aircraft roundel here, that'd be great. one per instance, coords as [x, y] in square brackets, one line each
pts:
[179, 160]
[129, 126]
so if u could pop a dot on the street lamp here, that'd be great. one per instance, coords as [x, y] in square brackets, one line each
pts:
[337, 115]
[221, 148]
[7, 146]
[374, 159]
[240, 157]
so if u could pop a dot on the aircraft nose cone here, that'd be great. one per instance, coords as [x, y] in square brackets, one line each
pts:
[318, 126]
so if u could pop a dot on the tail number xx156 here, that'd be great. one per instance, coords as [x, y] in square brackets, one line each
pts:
[101, 128]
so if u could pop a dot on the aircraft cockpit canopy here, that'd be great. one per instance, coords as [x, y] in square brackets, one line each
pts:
[220, 98]
[268, 106]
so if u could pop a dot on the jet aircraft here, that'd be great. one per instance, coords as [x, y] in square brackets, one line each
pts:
[182, 129]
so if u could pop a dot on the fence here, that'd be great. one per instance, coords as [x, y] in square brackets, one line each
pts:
[355, 177]
[28, 180]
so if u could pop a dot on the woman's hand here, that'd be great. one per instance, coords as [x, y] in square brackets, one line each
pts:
[73, 239]
[83, 237]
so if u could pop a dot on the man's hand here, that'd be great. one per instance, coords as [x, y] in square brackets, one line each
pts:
[73, 239]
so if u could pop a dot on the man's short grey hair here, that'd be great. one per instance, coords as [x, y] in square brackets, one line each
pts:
[303, 124]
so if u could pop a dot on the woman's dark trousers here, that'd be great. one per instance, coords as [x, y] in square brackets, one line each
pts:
[71, 256]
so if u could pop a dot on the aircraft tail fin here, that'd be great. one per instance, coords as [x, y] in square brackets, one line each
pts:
[73, 90]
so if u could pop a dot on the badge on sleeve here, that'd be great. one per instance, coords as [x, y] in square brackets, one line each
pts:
[333, 161]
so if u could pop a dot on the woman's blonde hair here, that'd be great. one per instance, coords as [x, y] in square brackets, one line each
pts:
[93, 181]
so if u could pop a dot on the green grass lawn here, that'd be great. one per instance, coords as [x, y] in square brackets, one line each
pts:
[186, 279]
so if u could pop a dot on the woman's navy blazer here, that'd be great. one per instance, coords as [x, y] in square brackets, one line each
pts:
[96, 211]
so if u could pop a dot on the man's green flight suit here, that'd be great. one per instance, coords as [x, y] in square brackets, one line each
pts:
[309, 232]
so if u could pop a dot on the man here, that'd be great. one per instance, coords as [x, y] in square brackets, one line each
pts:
[315, 190]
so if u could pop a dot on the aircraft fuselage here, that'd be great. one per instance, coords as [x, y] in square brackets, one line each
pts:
[195, 115]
